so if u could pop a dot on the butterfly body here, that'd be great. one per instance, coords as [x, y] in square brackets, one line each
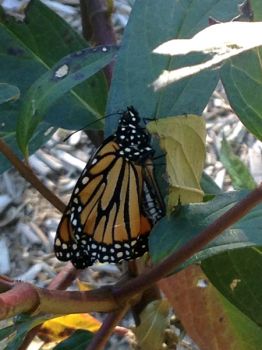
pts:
[113, 205]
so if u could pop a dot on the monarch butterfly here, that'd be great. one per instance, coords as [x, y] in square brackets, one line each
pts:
[115, 201]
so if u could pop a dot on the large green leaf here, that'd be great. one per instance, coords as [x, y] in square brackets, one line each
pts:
[28, 49]
[237, 274]
[242, 79]
[151, 23]
[66, 74]
[172, 233]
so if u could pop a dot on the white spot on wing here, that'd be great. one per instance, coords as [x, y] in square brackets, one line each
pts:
[58, 242]
[85, 180]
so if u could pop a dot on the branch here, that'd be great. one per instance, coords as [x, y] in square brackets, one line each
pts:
[21, 298]
[61, 281]
[26, 298]
[28, 174]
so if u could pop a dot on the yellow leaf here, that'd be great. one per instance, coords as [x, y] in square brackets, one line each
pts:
[154, 320]
[83, 286]
[60, 328]
[183, 140]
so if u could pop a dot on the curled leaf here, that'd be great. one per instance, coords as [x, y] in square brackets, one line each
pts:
[183, 140]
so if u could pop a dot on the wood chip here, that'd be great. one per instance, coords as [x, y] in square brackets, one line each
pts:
[4, 257]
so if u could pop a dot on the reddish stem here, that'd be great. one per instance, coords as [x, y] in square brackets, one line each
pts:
[60, 281]
[97, 26]
[101, 338]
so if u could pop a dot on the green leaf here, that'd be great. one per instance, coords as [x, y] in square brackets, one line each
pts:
[242, 79]
[237, 170]
[209, 186]
[8, 93]
[66, 74]
[6, 332]
[256, 6]
[248, 335]
[20, 328]
[78, 341]
[151, 24]
[237, 275]
[171, 233]
[26, 53]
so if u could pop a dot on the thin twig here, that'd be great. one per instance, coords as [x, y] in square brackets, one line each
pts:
[28, 174]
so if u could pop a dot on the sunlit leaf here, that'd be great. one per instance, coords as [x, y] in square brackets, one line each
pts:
[182, 138]
[222, 41]
[60, 328]
[151, 24]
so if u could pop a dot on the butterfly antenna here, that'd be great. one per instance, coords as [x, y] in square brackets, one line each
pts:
[87, 125]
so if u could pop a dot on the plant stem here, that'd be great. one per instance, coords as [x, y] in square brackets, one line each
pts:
[28, 174]
[100, 339]
[60, 281]
[97, 26]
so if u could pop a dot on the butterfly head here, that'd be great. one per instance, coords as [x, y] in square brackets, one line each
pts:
[133, 140]
[129, 118]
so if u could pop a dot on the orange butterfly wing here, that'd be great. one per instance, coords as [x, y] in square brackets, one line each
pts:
[104, 220]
